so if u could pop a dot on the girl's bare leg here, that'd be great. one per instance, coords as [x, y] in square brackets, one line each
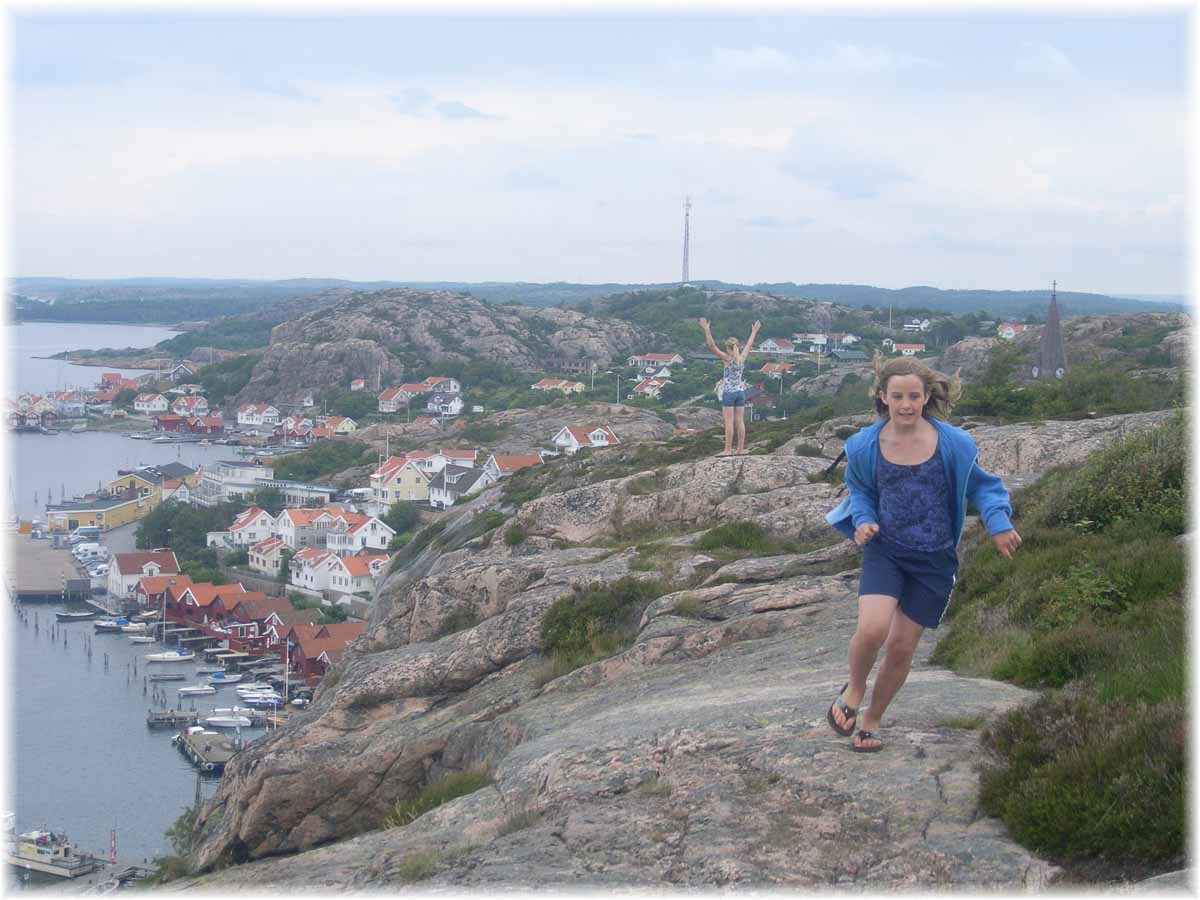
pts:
[740, 422]
[727, 412]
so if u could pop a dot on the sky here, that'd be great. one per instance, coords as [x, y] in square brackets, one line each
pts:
[955, 148]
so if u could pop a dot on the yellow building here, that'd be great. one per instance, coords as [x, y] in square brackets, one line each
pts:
[105, 514]
[140, 482]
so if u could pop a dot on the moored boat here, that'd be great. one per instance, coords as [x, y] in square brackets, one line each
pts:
[134, 628]
[196, 690]
[170, 656]
[220, 678]
[75, 616]
[142, 639]
[227, 722]
[110, 626]
[45, 851]
[168, 676]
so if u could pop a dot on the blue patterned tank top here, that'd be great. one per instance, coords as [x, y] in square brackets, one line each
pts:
[914, 504]
[732, 379]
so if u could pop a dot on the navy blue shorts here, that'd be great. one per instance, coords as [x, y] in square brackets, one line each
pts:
[922, 581]
[733, 398]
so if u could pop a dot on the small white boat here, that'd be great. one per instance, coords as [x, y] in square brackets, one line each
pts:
[233, 711]
[254, 687]
[197, 690]
[227, 722]
[170, 656]
[134, 628]
[300, 702]
[142, 639]
[161, 440]
[76, 429]
[220, 678]
[264, 701]
[104, 887]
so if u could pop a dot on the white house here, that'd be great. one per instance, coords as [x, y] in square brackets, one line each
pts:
[357, 384]
[910, 349]
[445, 404]
[442, 385]
[150, 404]
[125, 570]
[917, 325]
[267, 555]
[501, 464]
[307, 569]
[571, 438]
[775, 345]
[559, 384]
[393, 398]
[1009, 330]
[844, 338]
[453, 483]
[230, 479]
[777, 370]
[650, 387]
[350, 575]
[353, 532]
[656, 359]
[191, 405]
[341, 424]
[257, 414]
[251, 526]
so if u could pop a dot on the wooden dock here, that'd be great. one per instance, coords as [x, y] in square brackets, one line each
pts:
[35, 570]
[207, 752]
[170, 718]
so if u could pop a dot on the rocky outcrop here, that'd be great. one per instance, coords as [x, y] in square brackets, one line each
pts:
[697, 756]
[771, 491]
[387, 336]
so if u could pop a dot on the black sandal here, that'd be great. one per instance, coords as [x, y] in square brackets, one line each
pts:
[849, 712]
[867, 736]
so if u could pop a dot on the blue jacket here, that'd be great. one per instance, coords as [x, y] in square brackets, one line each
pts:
[960, 459]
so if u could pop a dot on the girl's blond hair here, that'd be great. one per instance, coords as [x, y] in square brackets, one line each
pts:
[731, 345]
[943, 390]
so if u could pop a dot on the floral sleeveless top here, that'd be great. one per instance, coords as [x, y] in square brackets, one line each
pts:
[731, 379]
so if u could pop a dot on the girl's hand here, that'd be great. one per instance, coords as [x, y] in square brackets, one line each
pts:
[757, 324]
[1007, 542]
[704, 323]
[863, 533]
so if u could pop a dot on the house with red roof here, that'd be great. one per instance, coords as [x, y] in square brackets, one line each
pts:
[251, 526]
[655, 359]
[169, 422]
[125, 570]
[775, 345]
[500, 464]
[307, 570]
[349, 575]
[151, 591]
[149, 404]
[190, 406]
[571, 438]
[257, 414]
[267, 555]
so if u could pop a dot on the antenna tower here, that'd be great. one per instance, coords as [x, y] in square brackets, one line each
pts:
[687, 211]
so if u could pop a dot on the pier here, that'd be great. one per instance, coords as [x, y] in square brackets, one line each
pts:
[170, 718]
[207, 751]
[37, 571]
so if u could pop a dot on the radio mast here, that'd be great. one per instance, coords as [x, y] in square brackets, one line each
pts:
[687, 210]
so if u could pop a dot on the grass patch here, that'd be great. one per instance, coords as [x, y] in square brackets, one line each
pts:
[808, 450]
[419, 866]
[1092, 611]
[592, 623]
[520, 821]
[434, 794]
[736, 536]
[514, 534]
[654, 787]
[645, 484]
[461, 619]
[689, 606]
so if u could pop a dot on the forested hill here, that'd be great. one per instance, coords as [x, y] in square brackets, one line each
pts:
[175, 300]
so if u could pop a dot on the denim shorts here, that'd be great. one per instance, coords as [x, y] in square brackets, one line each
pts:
[921, 580]
[733, 398]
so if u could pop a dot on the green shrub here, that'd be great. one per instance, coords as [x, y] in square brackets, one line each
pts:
[592, 623]
[1092, 608]
[808, 450]
[434, 794]
[737, 536]
[514, 534]
[460, 619]
[1081, 779]
[644, 484]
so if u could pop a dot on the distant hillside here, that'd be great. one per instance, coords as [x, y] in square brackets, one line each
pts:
[171, 301]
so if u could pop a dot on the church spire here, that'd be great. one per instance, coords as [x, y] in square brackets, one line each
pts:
[1052, 357]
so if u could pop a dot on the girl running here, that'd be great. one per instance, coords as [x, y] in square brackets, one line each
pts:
[909, 478]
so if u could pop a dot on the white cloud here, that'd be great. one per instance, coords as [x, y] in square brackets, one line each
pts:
[1041, 58]
[756, 60]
